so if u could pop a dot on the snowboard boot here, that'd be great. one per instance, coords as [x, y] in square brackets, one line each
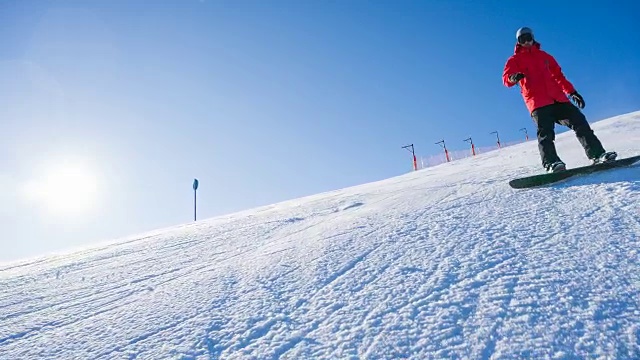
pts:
[605, 157]
[556, 167]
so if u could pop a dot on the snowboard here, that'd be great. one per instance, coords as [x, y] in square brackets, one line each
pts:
[550, 178]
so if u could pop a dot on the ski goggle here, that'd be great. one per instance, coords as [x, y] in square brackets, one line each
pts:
[524, 38]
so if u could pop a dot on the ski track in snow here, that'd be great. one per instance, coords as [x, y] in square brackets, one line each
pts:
[447, 262]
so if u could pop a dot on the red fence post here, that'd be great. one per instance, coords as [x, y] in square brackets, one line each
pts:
[473, 148]
[413, 152]
[446, 152]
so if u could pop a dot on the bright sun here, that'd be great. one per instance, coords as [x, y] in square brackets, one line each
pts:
[65, 188]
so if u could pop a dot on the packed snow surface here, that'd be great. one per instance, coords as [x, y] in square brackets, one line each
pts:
[445, 262]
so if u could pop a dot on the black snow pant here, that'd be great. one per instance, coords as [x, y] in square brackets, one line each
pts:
[568, 115]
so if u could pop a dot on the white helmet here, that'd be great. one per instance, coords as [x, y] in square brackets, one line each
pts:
[522, 31]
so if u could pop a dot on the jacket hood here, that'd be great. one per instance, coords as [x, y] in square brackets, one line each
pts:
[520, 48]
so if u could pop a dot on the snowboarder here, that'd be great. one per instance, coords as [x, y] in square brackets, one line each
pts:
[544, 89]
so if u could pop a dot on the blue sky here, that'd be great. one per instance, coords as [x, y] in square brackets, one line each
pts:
[262, 101]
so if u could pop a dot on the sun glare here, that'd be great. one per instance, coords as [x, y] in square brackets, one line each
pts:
[64, 188]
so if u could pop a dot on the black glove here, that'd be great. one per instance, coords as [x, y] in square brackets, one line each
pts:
[514, 78]
[577, 99]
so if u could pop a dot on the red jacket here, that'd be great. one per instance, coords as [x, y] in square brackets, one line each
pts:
[544, 83]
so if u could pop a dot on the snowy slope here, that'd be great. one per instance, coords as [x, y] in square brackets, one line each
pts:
[446, 262]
